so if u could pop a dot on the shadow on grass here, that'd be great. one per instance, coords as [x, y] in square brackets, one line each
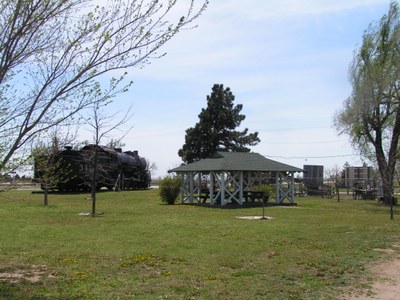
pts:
[238, 206]
[9, 290]
[81, 192]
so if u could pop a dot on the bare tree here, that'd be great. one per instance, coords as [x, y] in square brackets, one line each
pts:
[101, 125]
[334, 175]
[54, 55]
[50, 170]
[115, 143]
[151, 166]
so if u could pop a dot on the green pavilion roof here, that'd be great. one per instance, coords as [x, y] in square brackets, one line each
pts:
[236, 161]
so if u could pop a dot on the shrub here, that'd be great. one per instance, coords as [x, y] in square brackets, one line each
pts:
[267, 189]
[169, 189]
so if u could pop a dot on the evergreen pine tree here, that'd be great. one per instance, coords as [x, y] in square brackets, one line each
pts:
[215, 130]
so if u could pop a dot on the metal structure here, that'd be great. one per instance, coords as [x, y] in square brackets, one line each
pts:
[359, 177]
[313, 179]
[362, 182]
[313, 174]
[230, 177]
[116, 170]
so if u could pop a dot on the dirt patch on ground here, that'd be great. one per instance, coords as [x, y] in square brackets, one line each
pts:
[255, 218]
[386, 279]
[34, 274]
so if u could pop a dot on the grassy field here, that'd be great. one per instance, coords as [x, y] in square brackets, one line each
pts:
[140, 248]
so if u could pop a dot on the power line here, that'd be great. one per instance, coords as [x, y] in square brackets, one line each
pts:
[307, 157]
[293, 128]
[307, 142]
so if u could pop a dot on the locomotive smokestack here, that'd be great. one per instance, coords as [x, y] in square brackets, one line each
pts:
[69, 148]
[136, 153]
[119, 150]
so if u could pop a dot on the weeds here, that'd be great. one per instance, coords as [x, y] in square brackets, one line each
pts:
[143, 249]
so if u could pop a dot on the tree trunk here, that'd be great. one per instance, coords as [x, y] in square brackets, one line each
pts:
[387, 194]
[387, 183]
[46, 197]
[387, 175]
[94, 181]
[388, 197]
[337, 191]
[386, 170]
[93, 200]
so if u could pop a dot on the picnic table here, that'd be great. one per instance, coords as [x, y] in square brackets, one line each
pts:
[203, 195]
[255, 195]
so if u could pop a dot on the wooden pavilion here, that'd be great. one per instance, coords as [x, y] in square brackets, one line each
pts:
[233, 177]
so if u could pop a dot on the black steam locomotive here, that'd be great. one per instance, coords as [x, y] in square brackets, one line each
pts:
[114, 170]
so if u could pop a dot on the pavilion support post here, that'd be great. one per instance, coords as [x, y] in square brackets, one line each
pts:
[191, 187]
[241, 187]
[292, 187]
[198, 186]
[183, 190]
[212, 180]
[277, 187]
[222, 188]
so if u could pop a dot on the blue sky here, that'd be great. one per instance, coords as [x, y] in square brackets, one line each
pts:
[286, 61]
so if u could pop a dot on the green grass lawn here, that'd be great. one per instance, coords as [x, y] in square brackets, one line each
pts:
[140, 248]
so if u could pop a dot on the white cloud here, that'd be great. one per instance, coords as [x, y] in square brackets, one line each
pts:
[256, 10]
[285, 61]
